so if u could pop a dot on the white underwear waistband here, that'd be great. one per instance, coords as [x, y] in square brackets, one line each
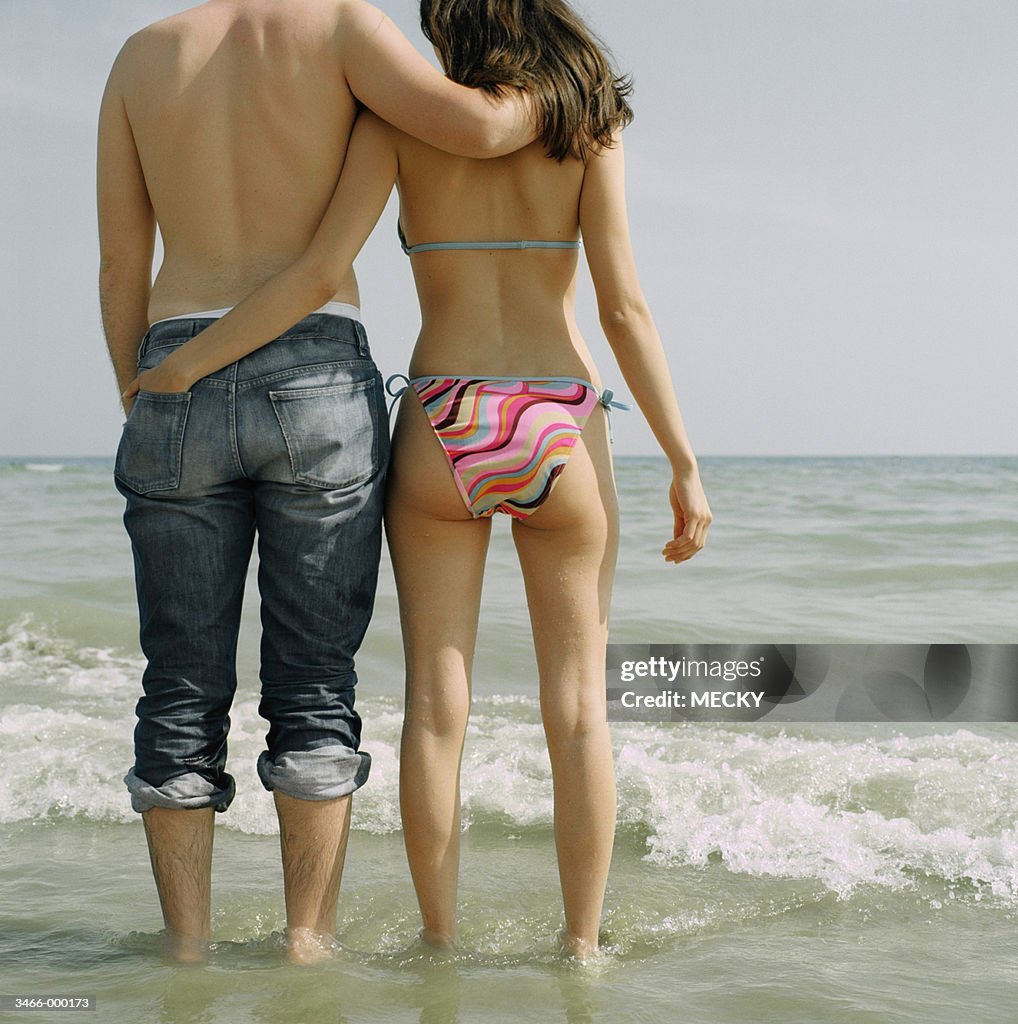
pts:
[346, 309]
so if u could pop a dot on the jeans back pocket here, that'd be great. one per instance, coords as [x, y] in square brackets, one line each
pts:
[150, 453]
[331, 432]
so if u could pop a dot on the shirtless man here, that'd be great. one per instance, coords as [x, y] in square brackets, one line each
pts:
[226, 126]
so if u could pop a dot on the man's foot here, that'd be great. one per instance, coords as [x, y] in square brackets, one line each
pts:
[306, 947]
[186, 949]
[429, 948]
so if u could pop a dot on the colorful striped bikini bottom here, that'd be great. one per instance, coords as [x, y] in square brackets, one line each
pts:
[507, 439]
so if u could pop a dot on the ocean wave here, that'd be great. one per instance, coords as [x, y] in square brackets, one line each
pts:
[844, 808]
[37, 662]
[847, 814]
[80, 465]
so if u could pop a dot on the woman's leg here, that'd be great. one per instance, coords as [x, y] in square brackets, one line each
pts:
[438, 554]
[567, 550]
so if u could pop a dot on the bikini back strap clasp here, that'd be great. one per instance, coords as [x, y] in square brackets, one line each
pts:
[523, 243]
[607, 399]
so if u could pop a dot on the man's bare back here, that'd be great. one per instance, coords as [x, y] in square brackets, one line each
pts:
[227, 126]
[241, 115]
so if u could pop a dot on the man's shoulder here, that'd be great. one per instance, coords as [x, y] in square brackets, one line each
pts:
[360, 18]
[356, 18]
[141, 47]
[166, 29]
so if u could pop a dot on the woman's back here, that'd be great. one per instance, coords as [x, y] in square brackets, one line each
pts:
[491, 311]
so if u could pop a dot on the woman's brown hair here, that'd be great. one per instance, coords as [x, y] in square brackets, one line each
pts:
[541, 46]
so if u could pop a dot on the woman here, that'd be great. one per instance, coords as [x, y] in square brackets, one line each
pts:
[501, 415]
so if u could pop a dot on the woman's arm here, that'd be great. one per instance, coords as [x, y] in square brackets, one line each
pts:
[387, 74]
[629, 328]
[311, 280]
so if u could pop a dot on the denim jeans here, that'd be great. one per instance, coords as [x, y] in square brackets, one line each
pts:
[290, 444]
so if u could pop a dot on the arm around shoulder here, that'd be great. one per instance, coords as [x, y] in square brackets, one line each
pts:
[388, 75]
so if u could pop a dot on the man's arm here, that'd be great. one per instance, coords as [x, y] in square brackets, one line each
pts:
[126, 234]
[389, 76]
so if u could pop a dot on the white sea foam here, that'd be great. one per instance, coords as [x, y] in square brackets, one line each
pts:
[842, 809]
[844, 813]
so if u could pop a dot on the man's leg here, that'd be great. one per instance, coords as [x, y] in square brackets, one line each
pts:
[317, 575]
[190, 616]
[319, 546]
[192, 538]
[312, 841]
[180, 849]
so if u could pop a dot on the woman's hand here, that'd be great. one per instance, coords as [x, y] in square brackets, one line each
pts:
[165, 379]
[692, 517]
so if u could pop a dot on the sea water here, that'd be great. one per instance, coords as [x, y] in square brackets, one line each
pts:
[813, 872]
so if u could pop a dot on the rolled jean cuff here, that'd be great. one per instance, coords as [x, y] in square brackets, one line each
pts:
[324, 773]
[188, 792]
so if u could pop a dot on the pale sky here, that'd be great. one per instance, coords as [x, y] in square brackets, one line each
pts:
[823, 200]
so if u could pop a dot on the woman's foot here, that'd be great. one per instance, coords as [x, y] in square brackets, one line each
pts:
[437, 941]
[577, 948]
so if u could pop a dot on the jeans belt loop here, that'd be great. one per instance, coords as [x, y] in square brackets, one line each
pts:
[362, 339]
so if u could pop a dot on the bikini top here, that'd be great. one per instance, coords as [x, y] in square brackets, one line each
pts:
[521, 244]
